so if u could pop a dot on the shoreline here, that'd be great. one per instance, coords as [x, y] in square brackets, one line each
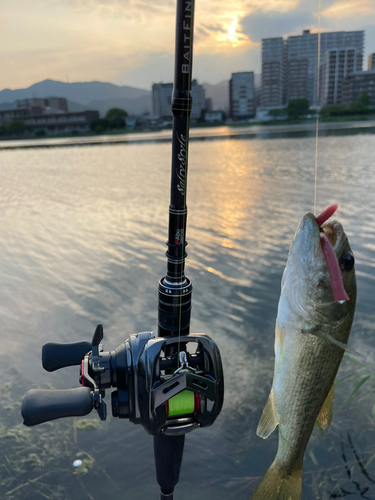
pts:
[249, 131]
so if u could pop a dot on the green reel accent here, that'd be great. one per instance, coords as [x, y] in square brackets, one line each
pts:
[181, 404]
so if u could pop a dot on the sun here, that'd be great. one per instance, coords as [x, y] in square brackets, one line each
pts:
[231, 35]
[232, 27]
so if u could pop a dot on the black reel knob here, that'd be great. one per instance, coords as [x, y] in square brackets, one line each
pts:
[40, 406]
[56, 356]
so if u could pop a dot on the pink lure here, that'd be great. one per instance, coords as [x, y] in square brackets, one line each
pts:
[339, 292]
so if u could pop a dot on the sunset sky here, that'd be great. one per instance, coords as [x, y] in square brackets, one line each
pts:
[131, 42]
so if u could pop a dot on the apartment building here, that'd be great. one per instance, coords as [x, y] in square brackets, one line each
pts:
[241, 95]
[199, 100]
[338, 64]
[162, 100]
[51, 123]
[50, 115]
[48, 105]
[273, 72]
[358, 83]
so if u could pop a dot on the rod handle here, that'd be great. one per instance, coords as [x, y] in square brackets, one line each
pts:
[42, 405]
[168, 451]
[56, 356]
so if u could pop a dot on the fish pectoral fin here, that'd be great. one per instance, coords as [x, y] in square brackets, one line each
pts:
[268, 421]
[324, 418]
[323, 334]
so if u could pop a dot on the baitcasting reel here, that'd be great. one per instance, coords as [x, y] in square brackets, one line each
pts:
[168, 385]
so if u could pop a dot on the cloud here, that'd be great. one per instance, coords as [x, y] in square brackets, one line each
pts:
[261, 24]
[157, 68]
[273, 5]
[85, 45]
[115, 7]
[214, 68]
[350, 8]
[132, 41]
[62, 65]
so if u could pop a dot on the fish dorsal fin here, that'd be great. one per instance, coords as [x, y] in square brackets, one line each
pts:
[268, 421]
[324, 418]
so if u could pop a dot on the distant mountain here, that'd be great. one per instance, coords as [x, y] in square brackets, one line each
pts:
[82, 94]
[74, 107]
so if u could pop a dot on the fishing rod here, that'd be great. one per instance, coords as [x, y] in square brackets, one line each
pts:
[171, 383]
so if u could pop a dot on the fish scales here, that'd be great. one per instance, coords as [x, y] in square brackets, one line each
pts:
[316, 361]
[312, 330]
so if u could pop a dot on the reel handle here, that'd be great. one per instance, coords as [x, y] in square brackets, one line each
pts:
[56, 356]
[40, 405]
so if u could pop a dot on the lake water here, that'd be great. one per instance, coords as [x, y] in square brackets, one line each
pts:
[82, 241]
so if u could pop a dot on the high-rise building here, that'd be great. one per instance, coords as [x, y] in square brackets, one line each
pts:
[301, 67]
[273, 71]
[295, 68]
[371, 62]
[338, 64]
[162, 99]
[199, 100]
[241, 95]
[357, 84]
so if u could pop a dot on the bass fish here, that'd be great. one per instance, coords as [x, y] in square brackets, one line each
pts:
[315, 314]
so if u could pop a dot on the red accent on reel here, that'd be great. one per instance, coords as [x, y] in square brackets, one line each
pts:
[197, 403]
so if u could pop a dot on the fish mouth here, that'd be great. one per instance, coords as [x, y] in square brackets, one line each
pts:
[318, 246]
[332, 230]
[332, 239]
[313, 278]
[308, 235]
[335, 234]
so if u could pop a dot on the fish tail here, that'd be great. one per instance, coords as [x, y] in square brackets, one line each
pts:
[278, 485]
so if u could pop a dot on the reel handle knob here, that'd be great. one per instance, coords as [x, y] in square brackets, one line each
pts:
[56, 356]
[40, 405]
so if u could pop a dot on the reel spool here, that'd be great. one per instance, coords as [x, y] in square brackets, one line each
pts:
[168, 385]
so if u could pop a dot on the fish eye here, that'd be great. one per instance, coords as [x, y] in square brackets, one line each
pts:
[346, 261]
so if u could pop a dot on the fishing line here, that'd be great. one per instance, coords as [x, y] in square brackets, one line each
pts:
[317, 100]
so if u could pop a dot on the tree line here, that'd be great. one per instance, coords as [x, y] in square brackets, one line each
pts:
[114, 119]
[13, 127]
[359, 107]
[300, 108]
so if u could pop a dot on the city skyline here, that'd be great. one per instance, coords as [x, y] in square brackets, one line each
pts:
[290, 67]
[131, 42]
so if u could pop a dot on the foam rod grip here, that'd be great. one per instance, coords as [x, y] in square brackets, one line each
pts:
[40, 406]
[55, 356]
